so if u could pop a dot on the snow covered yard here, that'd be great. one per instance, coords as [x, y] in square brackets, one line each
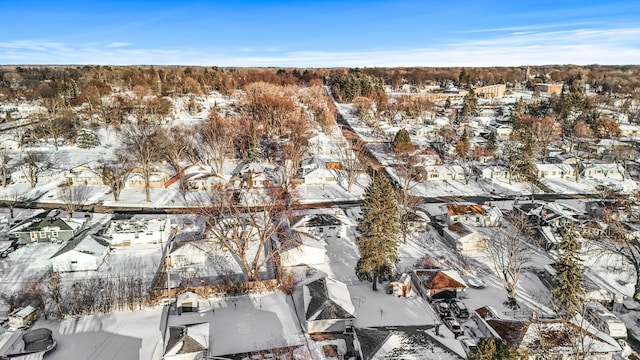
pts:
[118, 335]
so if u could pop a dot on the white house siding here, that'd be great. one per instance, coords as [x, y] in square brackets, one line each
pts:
[77, 261]
[331, 325]
[303, 255]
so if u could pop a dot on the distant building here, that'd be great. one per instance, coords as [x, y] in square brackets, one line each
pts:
[550, 88]
[491, 91]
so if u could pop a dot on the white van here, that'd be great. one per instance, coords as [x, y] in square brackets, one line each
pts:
[605, 321]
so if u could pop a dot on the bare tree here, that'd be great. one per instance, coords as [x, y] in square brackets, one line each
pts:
[408, 176]
[14, 199]
[217, 136]
[144, 142]
[180, 141]
[249, 232]
[4, 161]
[35, 163]
[509, 252]
[114, 174]
[74, 197]
[351, 165]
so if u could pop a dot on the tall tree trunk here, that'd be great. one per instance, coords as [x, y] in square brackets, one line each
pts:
[375, 282]
[147, 176]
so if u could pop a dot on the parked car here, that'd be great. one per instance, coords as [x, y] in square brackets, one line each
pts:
[475, 283]
[459, 309]
[442, 308]
[468, 344]
[454, 326]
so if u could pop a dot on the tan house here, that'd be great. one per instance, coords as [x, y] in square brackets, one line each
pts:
[157, 179]
[83, 175]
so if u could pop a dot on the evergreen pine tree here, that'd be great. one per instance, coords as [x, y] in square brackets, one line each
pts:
[86, 139]
[569, 295]
[379, 230]
[402, 142]
[494, 349]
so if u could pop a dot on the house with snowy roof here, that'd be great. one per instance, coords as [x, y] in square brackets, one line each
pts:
[157, 179]
[138, 230]
[438, 283]
[444, 173]
[186, 342]
[408, 342]
[304, 249]
[84, 253]
[327, 306]
[322, 223]
[484, 171]
[49, 229]
[555, 171]
[557, 338]
[83, 175]
[464, 239]
[472, 214]
[21, 175]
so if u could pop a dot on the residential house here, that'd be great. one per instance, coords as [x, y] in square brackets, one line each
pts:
[426, 131]
[42, 176]
[400, 343]
[201, 177]
[305, 249]
[555, 171]
[438, 283]
[186, 342]
[327, 306]
[138, 230]
[603, 171]
[9, 143]
[566, 344]
[444, 173]
[46, 230]
[321, 224]
[542, 213]
[472, 214]
[630, 131]
[465, 239]
[503, 131]
[157, 179]
[188, 253]
[258, 175]
[83, 175]
[491, 172]
[320, 176]
[84, 253]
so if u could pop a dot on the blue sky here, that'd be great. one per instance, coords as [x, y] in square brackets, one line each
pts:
[320, 33]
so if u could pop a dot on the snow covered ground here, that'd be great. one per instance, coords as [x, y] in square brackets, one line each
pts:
[131, 335]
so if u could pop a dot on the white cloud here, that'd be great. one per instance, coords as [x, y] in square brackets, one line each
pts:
[576, 46]
[118, 44]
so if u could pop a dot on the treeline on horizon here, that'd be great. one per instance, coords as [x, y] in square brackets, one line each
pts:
[78, 84]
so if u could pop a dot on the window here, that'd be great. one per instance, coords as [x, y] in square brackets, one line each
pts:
[43, 234]
[74, 262]
[54, 234]
[477, 219]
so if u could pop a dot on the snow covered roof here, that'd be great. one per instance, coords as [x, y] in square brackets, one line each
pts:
[557, 332]
[407, 344]
[440, 279]
[89, 244]
[47, 224]
[187, 339]
[135, 225]
[326, 298]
